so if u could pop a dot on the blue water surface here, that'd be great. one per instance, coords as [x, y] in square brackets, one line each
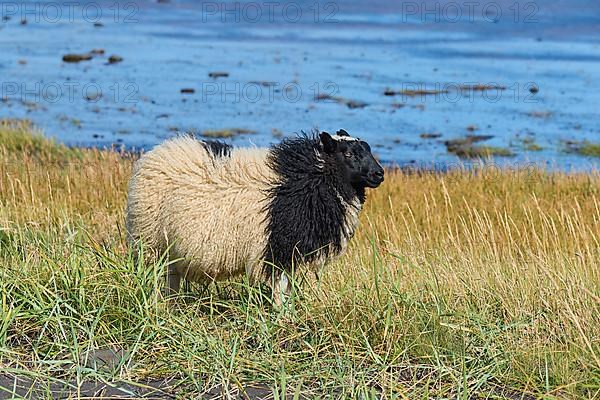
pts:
[299, 65]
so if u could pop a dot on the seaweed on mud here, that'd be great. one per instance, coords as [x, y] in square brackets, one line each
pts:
[75, 58]
[341, 100]
[583, 148]
[413, 93]
[466, 147]
[226, 133]
[430, 135]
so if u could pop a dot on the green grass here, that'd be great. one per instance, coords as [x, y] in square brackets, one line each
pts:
[528, 144]
[483, 152]
[478, 284]
[583, 148]
[589, 149]
[466, 147]
[226, 133]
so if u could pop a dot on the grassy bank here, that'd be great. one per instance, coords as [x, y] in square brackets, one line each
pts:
[467, 284]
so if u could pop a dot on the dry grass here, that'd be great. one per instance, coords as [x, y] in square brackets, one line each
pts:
[459, 285]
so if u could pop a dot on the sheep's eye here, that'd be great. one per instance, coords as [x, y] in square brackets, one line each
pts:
[348, 154]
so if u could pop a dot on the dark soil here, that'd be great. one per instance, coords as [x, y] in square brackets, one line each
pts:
[341, 100]
[430, 135]
[75, 58]
[114, 59]
[21, 386]
[216, 75]
[466, 148]
[413, 93]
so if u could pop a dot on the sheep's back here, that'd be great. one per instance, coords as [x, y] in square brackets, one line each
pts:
[208, 210]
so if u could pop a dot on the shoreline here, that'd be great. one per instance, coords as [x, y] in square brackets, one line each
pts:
[473, 165]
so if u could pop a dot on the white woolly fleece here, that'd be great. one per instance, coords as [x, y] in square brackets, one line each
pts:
[208, 209]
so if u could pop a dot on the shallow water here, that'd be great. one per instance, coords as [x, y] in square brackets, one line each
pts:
[281, 63]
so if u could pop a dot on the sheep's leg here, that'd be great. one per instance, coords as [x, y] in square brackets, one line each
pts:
[173, 281]
[281, 289]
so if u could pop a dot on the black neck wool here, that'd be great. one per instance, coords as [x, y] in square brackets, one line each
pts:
[218, 148]
[308, 204]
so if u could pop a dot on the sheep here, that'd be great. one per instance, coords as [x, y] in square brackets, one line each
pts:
[221, 211]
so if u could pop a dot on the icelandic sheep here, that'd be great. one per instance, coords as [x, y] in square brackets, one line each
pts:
[221, 211]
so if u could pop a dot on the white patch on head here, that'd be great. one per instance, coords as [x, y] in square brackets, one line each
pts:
[346, 138]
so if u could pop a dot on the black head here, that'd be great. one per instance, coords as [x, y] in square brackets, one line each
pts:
[353, 158]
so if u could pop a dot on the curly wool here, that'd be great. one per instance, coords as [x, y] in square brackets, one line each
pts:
[209, 208]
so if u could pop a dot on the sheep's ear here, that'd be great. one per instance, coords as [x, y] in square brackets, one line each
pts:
[329, 145]
[342, 132]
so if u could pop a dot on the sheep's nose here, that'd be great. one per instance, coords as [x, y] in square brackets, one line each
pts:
[378, 175]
